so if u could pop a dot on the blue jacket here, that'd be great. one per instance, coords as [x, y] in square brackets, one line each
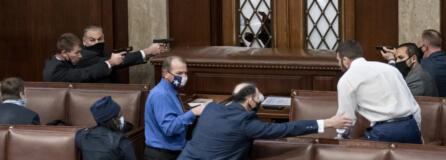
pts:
[227, 132]
[435, 64]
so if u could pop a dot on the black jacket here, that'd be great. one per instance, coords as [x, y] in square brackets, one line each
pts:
[90, 58]
[100, 143]
[64, 71]
[227, 132]
[15, 114]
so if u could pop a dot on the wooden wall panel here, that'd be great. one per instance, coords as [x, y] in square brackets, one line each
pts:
[376, 24]
[29, 30]
[190, 22]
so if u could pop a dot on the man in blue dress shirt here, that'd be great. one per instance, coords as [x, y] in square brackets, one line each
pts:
[227, 131]
[434, 59]
[165, 120]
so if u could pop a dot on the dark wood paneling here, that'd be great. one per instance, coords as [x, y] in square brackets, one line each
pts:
[216, 70]
[376, 24]
[190, 22]
[29, 30]
[121, 34]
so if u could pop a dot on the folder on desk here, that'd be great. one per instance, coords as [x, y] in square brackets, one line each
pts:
[276, 102]
[199, 101]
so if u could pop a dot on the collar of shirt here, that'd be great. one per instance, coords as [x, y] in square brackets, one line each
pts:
[436, 54]
[357, 61]
[168, 86]
[20, 102]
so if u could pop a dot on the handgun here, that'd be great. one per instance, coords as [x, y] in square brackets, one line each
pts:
[163, 41]
[125, 49]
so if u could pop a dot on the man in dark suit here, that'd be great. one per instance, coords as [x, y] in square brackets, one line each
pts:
[13, 110]
[434, 59]
[405, 59]
[61, 67]
[93, 52]
[227, 131]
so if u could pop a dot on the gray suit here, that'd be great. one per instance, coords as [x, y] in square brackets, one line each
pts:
[420, 82]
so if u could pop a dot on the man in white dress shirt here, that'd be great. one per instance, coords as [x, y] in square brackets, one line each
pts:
[379, 93]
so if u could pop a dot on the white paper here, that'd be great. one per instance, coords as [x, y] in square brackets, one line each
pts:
[199, 101]
[277, 101]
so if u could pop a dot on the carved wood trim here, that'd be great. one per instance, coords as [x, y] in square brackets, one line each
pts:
[257, 66]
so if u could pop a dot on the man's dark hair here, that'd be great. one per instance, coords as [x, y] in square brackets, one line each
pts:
[240, 96]
[11, 88]
[66, 42]
[86, 29]
[167, 64]
[432, 37]
[350, 49]
[412, 49]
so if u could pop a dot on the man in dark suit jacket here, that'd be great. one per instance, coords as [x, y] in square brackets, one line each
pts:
[434, 59]
[93, 52]
[12, 109]
[405, 59]
[61, 67]
[227, 132]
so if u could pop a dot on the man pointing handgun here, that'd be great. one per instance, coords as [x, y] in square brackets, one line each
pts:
[93, 51]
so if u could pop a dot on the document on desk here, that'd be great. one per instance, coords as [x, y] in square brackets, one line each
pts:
[277, 101]
[199, 101]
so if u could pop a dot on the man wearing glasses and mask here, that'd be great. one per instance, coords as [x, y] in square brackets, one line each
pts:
[227, 131]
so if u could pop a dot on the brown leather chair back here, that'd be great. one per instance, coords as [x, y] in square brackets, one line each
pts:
[49, 103]
[431, 119]
[323, 152]
[3, 135]
[443, 123]
[80, 101]
[273, 150]
[313, 108]
[41, 143]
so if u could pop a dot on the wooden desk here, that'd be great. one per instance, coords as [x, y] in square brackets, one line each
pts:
[217, 69]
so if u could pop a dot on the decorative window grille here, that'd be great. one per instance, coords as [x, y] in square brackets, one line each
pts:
[322, 24]
[255, 23]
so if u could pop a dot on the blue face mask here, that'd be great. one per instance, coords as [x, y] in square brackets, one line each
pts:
[178, 81]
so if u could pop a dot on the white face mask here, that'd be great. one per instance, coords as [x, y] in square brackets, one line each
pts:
[121, 122]
[183, 81]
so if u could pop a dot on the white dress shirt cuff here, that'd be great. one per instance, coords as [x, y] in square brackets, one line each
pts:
[108, 64]
[143, 54]
[320, 126]
[392, 61]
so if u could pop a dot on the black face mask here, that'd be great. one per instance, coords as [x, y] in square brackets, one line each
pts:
[256, 108]
[98, 48]
[403, 68]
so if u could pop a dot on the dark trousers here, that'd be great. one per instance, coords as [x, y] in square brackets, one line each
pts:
[151, 153]
[402, 130]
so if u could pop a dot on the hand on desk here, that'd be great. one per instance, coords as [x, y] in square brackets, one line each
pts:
[199, 109]
[338, 122]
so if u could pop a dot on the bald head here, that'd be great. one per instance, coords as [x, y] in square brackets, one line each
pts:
[244, 90]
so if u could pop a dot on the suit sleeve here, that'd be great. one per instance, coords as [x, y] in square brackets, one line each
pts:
[416, 86]
[93, 72]
[131, 59]
[254, 128]
[36, 120]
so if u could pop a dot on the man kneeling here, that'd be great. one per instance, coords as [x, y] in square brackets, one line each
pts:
[227, 131]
